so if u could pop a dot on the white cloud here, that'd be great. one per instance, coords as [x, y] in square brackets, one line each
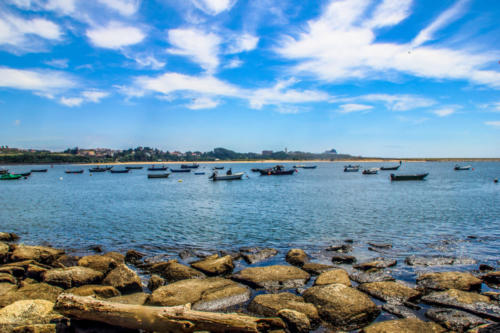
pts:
[338, 47]
[234, 63]
[144, 60]
[213, 7]
[124, 7]
[493, 123]
[203, 103]
[398, 102]
[390, 12]
[94, 95]
[243, 43]
[58, 63]
[446, 17]
[35, 80]
[115, 35]
[199, 46]
[348, 108]
[444, 112]
[62, 6]
[71, 101]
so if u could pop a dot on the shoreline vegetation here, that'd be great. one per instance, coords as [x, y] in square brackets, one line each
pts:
[141, 155]
[44, 289]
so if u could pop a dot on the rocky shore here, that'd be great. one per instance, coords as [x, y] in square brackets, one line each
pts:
[43, 289]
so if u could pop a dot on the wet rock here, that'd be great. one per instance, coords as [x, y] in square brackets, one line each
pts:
[492, 278]
[316, 269]
[135, 299]
[118, 257]
[349, 241]
[66, 261]
[408, 325]
[489, 328]
[42, 254]
[377, 263]
[463, 300]
[235, 255]
[342, 248]
[385, 246]
[269, 305]
[31, 291]
[172, 271]
[448, 280]
[295, 321]
[155, 282]
[398, 310]
[389, 291]
[333, 276]
[27, 312]
[296, 257]
[4, 252]
[367, 277]
[124, 279]
[208, 294]
[254, 255]
[95, 290]
[184, 254]
[341, 306]
[95, 248]
[455, 320]
[36, 272]
[133, 256]
[341, 258]
[4, 277]
[437, 261]
[72, 276]
[485, 267]
[273, 277]
[102, 264]
[8, 237]
[215, 265]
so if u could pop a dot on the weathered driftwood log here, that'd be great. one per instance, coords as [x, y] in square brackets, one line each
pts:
[161, 319]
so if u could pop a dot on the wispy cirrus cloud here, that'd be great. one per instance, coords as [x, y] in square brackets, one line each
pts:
[91, 96]
[493, 123]
[398, 102]
[349, 108]
[444, 112]
[203, 103]
[213, 7]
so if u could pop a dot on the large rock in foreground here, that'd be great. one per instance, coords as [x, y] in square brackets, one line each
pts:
[69, 277]
[27, 312]
[448, 280]
[99, 263]
[393, 292]
[270, 304]
[42, 254]
[455, 320]
[409, 325]
[343, 307]
[367, 277]
[377, 263]
[333, 276]
[31, 291]
[172, 271]
[215, 265]
[124, 279]
[273, 277]
[209, 294]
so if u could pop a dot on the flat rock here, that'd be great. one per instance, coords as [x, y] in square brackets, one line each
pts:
[408, 325]
[102, 264]
[5, 277]
[273, 277]
[295, 321]
[342, 248]
[367, 277]
[42, 254]
[155, 282]
[316, 269]
[437, 261]
[215, 265]
[463, 300]
[210, 294]
[254, 255]
[124, 279]
[341, 306]
[333, 276]
[296, 257]
[172, 271]
[448, 280]
[375, 264]
[27, 312]
[389, 291]
[269, 305]
[455, 320]
[8, 237]
[135, 299]
[398, 310]
[72, 276]
[95, 290]
[31, 291]
[342, 258]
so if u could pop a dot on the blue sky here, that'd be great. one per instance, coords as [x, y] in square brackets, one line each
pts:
[395, 78]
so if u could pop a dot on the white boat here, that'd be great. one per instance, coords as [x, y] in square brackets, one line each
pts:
[234, 176]
[467, 167]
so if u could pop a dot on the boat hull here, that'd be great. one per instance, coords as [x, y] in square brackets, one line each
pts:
[158, 169]
[235, 176]
[98, 170]
[187, 166]
[390, 168]
[408, 177]
[369, 172]
[276, 173]
[10, 177]
[73, 172]
[459, 168]
[180, 170]
[39, 170]
[164, 175]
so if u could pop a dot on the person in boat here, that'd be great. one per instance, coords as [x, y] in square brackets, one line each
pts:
[214, 174]
[229, 172]
[278, 168]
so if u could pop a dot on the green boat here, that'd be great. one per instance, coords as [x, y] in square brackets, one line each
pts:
[10, 177]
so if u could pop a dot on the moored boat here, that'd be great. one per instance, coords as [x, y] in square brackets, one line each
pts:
[180, 170]
[39, 170]
[395, 167]
[459, 168]
[133, 167]
[25, 174]
[162, 168]
[420, 176]
[98, 169]
[73, 171]
[255, 169]
[351, 168]
[9, 176]
[234, 176]
[158, 175]
[219, 168]
[305, 166]
[120, 171]
[278, 170]
[199, 173]
[190, 166]
[372, 171]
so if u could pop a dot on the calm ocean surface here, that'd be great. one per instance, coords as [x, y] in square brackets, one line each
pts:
[311, 209]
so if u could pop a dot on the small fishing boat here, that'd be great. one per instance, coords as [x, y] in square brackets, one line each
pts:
[180, 170]
[39, 170]
[278, 170]
[98, 169]
[4, 171]
[409, 177]
[73, 171]
[459, 168]
[9, 176]
[120, 171]
[305, 166]
[108, 168]
[25, 174]
[372, 171]
[190, 166]
[351, 168]
[255, 169]
[162, 168]
[299, 166]
[159, 175]
[219, 168]
[133, 167]
[395, 167]
[234, 176]
[199, 173]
